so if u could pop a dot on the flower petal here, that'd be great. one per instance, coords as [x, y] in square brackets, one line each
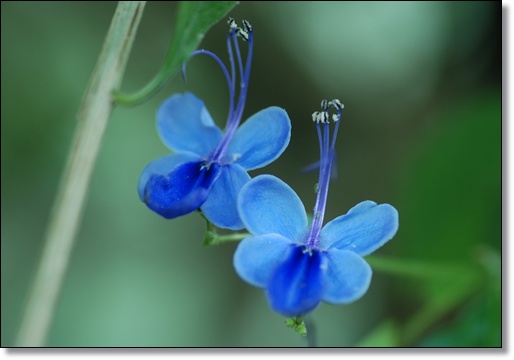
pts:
[365, 228]
[267, 205]
[185, 125]
[162, 166]
[295, 287]
[256, 257]
[261, 139]
[220, 208]
[347, 277]
[182, 191]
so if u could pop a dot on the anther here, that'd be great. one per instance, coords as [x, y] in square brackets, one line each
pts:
[247, 26]
[336, 117]
[323, 117]
[315, 116]
[336, 104]
[232, 23]
[324, 104]
[244, 35]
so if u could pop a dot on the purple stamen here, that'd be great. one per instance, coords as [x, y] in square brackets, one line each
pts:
[327, 152]
[234, 121]
[232, 72]
[234, 113]
[230, 82]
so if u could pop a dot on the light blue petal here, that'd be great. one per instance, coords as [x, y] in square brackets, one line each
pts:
[295, 287]
[162, 166]
[181, 191]
[267, 205]
[365, 228]
[347, 277]
[261, 139]
[256, 257]
[185, 125]
[220, 208]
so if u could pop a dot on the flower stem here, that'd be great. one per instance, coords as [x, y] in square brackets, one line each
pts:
[213, 238]
[311, 331]
[421, 269]
[93, 115]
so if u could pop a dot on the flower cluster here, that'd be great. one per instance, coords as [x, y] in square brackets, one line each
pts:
[298, 264]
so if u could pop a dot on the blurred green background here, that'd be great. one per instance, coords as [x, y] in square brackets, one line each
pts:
[421, 84]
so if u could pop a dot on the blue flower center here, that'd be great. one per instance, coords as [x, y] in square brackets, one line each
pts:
[327, 151]
[219, 155]
[295, 287]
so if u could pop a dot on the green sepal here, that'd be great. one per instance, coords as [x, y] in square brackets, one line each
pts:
[297, 324]
[212, 237]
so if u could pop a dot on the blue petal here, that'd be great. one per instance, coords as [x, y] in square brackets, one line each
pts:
[220, 208]
[162, 166]
[365, 228]
[256, 257]
[182, 191]
[295, 287]
[268, 205]
[185, 125]
[261, 139]
[347, 277]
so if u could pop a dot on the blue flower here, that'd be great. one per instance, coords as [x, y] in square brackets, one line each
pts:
[299, 265]
[208, 167]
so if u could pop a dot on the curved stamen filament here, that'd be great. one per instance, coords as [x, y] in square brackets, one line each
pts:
[225, 72]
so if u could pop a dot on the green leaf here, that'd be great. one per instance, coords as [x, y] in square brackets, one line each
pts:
[477, 323]
[443, 287]
[194, 19]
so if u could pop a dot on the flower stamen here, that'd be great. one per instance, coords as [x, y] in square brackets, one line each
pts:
[327, 152]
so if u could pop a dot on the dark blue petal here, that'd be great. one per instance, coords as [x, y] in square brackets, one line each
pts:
[261, 139]
[347, 277]
[185, 125]
[162, 166]
[295, 288]
[365, 228]
[268, 205]
[220, 208]
[256, 257]
[182, 191]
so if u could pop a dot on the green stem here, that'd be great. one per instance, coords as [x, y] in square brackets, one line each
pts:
[418, 269]
[212, 238]
[93, 116]
[311, 331]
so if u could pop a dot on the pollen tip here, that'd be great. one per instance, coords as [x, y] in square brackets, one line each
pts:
[243, 34]
[231, 23]
[247, 26]
[336, 103]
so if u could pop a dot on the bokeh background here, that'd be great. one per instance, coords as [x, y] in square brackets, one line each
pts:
[421, 84]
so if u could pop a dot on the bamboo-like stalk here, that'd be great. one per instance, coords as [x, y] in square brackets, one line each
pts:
[93, 116]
